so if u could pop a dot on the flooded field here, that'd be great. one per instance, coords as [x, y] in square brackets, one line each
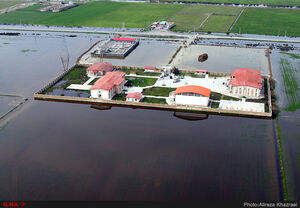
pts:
[147, 53]
[289, 120]
[222, 58]
[63, 151]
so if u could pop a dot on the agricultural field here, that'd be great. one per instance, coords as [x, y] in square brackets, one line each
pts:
[204, 18]
[5, 4]
[194, 18]
[269, 22]
[267, 2]
[23, 16]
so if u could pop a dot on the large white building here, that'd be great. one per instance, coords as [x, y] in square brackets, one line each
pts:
[109, 85]
[192, 95]
[246, 82]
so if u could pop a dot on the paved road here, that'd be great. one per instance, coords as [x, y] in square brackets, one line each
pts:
[148, 33]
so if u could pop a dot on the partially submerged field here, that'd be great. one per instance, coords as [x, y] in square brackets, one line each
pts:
[269, 22]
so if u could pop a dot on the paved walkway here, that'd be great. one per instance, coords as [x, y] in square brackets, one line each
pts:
[79, 87]
[242, 106]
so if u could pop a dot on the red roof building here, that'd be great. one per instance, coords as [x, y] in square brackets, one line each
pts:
[100, 67]
[134, 95]
[125, 39]
[246, 77]
[201, 71]
[193, 89]
[108, 81]
[150, 67]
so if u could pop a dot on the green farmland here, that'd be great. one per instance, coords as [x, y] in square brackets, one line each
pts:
[269, 22]
[96, 14]
[204, 18]
[267, 2]
[190, 18]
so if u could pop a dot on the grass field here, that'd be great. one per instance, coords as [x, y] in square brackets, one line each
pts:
[269, 22]
[154, 100]
[139, 81]
[267, 2]
[189, 18]
[158, 91]
[23, 16]
[5, 4]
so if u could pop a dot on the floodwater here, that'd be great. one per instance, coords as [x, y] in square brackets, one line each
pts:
[289, 123]
[222, 58]
[147, 53]
[64, 151]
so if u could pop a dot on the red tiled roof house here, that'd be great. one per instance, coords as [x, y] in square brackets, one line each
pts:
[109, 85]
[246, 82]
[192, 95]
[99, 69]
[134, 97]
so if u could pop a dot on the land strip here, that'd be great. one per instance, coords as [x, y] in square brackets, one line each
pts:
[183, 108]
[186, 17]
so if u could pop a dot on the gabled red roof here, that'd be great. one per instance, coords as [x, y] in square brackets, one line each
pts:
[96, 67]
[193, 89]
[150, 67]
[135, 95]
[109, 80]
[246, 77]
[125, 39]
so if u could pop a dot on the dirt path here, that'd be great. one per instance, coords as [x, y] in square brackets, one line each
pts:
[15, 7]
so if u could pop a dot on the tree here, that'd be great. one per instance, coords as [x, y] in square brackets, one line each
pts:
[176, 71]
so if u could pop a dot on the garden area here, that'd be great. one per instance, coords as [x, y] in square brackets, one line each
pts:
[139, 81]
[158, 91]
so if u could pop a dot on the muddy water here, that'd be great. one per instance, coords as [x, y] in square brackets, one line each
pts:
[147, 53]
[61, 151]
[221, 58]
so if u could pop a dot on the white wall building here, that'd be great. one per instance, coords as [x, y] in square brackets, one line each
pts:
[108, 86]
[246, 82]
[191, 95]
[134, 97]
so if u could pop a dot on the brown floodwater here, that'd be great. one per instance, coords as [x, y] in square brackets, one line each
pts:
[64, 151]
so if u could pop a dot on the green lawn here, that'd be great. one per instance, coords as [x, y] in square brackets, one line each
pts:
[268, 2]
[154, 100]
[269, 22]
[139, 82]
[5, 4]
[119, 97]
[158, 91]
[140, 72]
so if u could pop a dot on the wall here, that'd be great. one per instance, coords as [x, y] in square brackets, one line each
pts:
[191, 100]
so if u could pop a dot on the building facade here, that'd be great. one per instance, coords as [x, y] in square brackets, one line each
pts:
[108, 86]
[246, 82]
[192, 95]
[134, 97]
